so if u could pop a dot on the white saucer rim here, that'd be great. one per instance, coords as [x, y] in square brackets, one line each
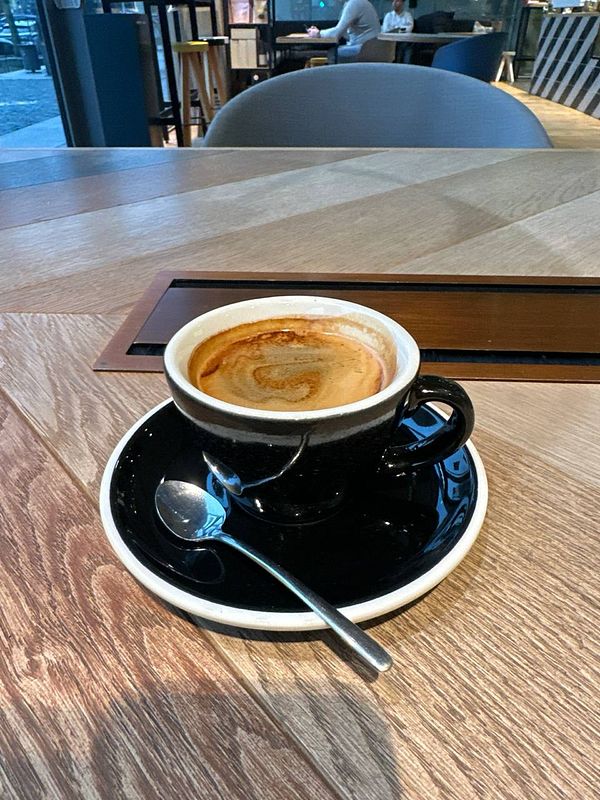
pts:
[285, 621]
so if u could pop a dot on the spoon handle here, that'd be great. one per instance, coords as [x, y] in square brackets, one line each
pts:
[362, 644]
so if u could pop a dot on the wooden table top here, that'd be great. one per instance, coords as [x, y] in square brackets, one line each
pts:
[304, 39]
[107, 692]
[425, 38]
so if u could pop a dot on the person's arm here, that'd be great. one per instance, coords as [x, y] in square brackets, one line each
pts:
[349, 14]
[387, 23]
[410, 22]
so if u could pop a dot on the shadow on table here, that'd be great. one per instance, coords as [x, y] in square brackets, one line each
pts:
[214, 745]
[212, 741]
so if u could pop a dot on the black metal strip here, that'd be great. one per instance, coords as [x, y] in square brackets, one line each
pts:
[146, 350]
[185, 283]
[52, 68]
[191, 6]
[453, 356]
[511, 357]
[154, 48]
[170, 67]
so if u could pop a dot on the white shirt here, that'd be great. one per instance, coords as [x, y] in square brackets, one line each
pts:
[392, 21]
[359, 22]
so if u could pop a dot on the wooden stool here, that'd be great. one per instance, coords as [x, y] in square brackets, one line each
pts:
[192, 58]
[316, 61]
[217, 76]
[506, 63]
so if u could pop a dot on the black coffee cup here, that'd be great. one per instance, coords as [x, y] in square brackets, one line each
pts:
[294, 467]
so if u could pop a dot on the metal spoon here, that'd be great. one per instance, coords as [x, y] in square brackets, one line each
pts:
[191, 513]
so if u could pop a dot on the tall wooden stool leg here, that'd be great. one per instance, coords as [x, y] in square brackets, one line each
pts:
[209, 83]
[189, 55]
[217, 74]
[205, 105]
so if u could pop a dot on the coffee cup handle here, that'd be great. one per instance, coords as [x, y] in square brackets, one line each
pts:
[446, 440]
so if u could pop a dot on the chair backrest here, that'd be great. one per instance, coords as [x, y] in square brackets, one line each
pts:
[477, 56]
[374, 50]
[374, 105]
[436, 22]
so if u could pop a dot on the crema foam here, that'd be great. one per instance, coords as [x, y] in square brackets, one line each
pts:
[291, 364]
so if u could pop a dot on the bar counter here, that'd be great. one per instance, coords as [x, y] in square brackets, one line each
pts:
[567, 65]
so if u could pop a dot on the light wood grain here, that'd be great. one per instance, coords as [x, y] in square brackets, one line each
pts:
[486, 674]
[89, 249]
[559, 422]
[100, 238]
[565, 126]
[62, 395]
[54, 166]
[474, 222]
[562, 241]
[105, 692]
[78, 195]
[386, 212]
[492, 220]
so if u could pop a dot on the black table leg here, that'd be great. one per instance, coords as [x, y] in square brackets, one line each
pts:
[171, 79]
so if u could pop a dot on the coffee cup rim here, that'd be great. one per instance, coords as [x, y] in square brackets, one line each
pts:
[402, 378]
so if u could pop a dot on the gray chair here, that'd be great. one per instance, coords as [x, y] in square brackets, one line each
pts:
[375, 105]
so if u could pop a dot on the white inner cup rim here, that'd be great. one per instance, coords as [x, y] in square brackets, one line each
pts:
[181, 345]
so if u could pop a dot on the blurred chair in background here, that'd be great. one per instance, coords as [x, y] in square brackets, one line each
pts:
[375, 105]
[476, 56]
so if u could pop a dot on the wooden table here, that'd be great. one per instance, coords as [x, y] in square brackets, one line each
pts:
[424, 38]
[304, 40]
[106, 691]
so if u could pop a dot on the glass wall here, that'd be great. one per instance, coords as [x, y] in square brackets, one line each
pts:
[463, 9]
[29, 111]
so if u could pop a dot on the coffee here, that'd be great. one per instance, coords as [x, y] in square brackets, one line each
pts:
[290, 364]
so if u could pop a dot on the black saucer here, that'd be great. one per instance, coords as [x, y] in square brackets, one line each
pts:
[394, 533]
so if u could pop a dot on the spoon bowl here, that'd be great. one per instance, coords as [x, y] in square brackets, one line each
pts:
[188, 511]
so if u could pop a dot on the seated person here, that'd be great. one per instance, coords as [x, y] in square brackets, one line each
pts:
[398, 20]
[358, 23]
